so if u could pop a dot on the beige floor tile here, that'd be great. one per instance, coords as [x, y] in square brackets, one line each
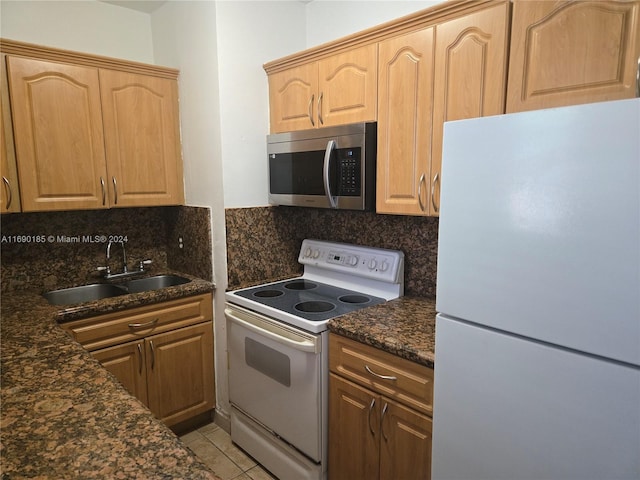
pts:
[259, 473]
[208, 428]
[242, 476]
[191, 437]
[215, 459]
[222, 440]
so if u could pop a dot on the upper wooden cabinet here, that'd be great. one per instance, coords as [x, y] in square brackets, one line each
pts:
[58, 135]
[142, 139]
[88, 137]
[405, 103]
[9, 191]
[419, 90]
[337, 90]
[469, 78]
[572, 52]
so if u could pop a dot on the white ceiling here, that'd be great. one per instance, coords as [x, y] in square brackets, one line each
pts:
[147, 6]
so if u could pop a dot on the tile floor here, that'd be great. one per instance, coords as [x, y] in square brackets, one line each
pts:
[213, 446]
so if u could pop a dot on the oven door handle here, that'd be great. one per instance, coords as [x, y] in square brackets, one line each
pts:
[331, 145]
[275, 332]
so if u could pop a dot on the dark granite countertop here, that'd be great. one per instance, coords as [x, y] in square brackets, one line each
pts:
[63, 415]
[403, 327]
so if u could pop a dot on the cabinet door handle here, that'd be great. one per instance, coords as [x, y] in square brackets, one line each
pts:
[310, 109]
[153, 354]
[436, 180]
[115, 190]
[638, 79]
[383, 377]
[104, 192]
[150, 324]
[420, 183]
[373, 403]
[8, 188]
[140, 358]
[384, 412]
[320, 108]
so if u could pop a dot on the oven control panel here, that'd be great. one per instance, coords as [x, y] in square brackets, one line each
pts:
[368, 262]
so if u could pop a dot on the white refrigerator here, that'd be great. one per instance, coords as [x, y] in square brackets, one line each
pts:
[537, 354]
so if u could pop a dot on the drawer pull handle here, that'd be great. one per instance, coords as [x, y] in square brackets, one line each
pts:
[140, 358]
[373, 403]
[383, 377]
[384, 412]
[151, 324]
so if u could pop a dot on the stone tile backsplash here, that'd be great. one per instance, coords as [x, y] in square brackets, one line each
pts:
[45, 250]
[263, 242]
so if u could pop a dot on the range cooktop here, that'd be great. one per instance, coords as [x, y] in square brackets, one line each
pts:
[308, 299]
[338, 278]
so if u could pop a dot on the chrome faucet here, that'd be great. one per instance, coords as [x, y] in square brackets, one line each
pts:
[124, 255]
[125, 270]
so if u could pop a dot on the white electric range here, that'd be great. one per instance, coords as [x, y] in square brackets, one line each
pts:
[278, 351]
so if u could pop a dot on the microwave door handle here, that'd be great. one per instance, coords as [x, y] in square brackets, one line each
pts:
[331, 144]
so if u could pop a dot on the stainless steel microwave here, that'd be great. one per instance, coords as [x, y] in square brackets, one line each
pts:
[332, 167]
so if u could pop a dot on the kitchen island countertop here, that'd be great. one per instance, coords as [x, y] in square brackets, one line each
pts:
[404, 327]
[63, 415]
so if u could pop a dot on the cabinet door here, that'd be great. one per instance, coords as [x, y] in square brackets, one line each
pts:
[293, 97]
[348, 86]
[404, 123]
[180, 373]
[142, 139]
[354, 445]
[127, 363]
[470, 78]
[58, 135]
[405, 450]
[567, 53]
[9, 193]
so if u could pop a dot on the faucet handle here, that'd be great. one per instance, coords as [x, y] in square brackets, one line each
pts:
[106, 270]
[143, 263]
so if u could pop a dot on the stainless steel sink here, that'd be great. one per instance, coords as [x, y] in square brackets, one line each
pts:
[98, 291]
[154, 283]
[85, 293]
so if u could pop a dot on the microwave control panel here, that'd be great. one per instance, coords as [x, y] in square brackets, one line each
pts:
[349, 172]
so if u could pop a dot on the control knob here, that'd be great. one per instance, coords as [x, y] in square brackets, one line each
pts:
[372, 264]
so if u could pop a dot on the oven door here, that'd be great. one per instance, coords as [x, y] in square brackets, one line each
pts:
[275, 377]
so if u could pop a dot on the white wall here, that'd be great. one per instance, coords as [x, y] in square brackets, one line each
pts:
[85, 26]
[249, 35]
[219, 48]
[329, 20]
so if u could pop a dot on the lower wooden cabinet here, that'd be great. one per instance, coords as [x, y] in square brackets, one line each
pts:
[372, 436]
[127, 363]
[379, 422]
[170, 367]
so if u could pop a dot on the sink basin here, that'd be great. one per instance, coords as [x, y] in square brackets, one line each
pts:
[98, 291]
[85, 293]
[154, 283]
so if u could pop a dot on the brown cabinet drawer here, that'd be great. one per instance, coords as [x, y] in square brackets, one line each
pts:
[406, 381]
[116, 328]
